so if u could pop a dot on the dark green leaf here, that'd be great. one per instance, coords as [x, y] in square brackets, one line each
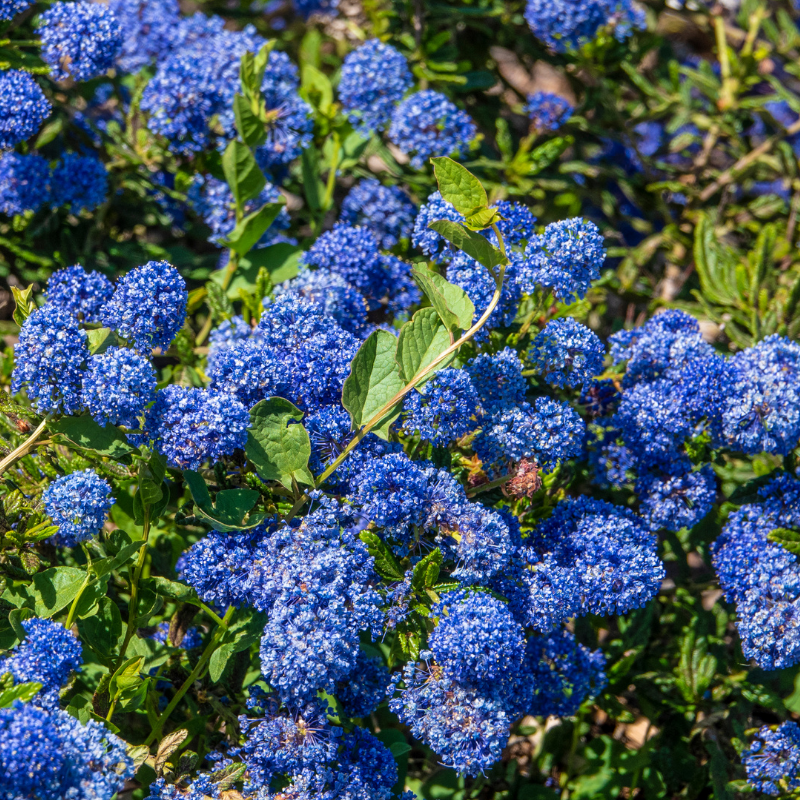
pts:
[385, 563]
[426, 572]
[545, 154]
[452, 303]
[277, 444]
[247, 233]
[459, 186]
[172, 590]
[219, 660]
[421, 341]
[102, 630]
[787, 538]
[242, 173]
[473, 244]
[56, 588]
[373, 381]
[85, 433]
[24, 692]
[232, 511]
[280, 260]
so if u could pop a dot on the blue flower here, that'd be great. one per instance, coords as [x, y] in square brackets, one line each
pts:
[80, 40]
[566, 258]
[48, 654]
[78, 503]
[363, 690]
[308, 7]
[677, 501]
[567, 353]
[23, 107]
[384, 210]
[24, 183]
[773, 760]
[191, 426]
[429, 241]
[147, 30]
[49, 755]
[373, 80]
[10, 8]
[426, 124]
[148, 306]
[83, 294]
[547, 112]
[498, 380]
[49, 359]
[79, 182]
[117, 387]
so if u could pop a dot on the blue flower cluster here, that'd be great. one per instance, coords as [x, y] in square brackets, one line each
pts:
[48, 655]
[10, 8]
[385, 210]
[426, 124]
[23, 107]
[80, 40]
[567, 353]
[78, 503]
[79, 182]
[547, 112]
[566, 24]
[24, 183]
[82, 294]
[147, 30]
[373, 80]
[773, 760]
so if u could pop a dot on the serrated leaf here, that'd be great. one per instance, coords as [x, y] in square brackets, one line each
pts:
[421, 341]
[787, 538]
[373, 381]
[426, 572]
[475, 245]
[386, 564]
[459, 186]
[247, 233]
[232, 511]
[277, 444]
[451, 302]
[242, 173]
[85, 433]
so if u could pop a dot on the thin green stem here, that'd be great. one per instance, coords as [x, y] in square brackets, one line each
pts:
[19, 452]
[415, 381]
[327, 200]
[134, 601]
[485, 487]
[230, 271]
[193, 676]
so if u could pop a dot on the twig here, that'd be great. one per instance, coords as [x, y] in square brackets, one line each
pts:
[19, 452]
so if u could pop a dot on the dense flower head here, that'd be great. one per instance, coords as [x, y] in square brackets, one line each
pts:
[678, 501]
[465, 727]
[498, 380]
[476, 639]
[247, 371]
[23, 107]
[567, 353]
[429, 241]
[762, 411]
[363, 690]
[426, 124]
[315, 350]
[80, 40]
[79, 183]
[516, 226]
[374, 79]
[227, 333]
[48, 654]
[565, 24]
[546, 431]
[49, 359]
[308, 7]
[339, 299]
[353, 253]
[387, 211]
[213, 200]
[49, 755]
[10, 8]
[83, 294]
[486, 542]
[560, 674]
[191, 426]
[147, 30]
[78, 503]
[117, 386]
[24, 183]
[773, 760]
[566, 258]
[148, 306]
[547, 112]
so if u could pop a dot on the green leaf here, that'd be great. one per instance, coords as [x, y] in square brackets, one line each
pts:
[426, 572]
[386, 564]
[172, 590]
[475, 245]
[24, 692]
[232, 511]
[450, 301]
[102, 630]
[482, 219]
[695, 671]
[85, 433]
[252, 67]
[197, 486]
[313, 187]
[219, 660]
[786, 538]
[56, 588]
[219, 302]
[459, 186]
[24, 305]
[280, 260]
[279, 450]
[374, 379]
[106, 565]
[100, 339]
[545, 154]
[247, 233]
[242, 172]
[421, 341]
[252, 129]
[316, 88]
